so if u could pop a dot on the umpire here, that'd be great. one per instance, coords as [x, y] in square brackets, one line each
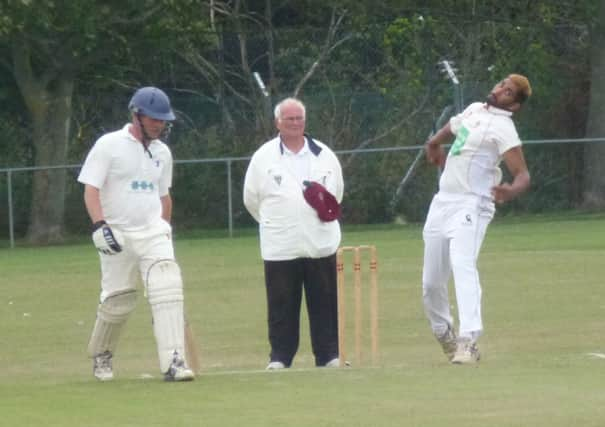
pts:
[293, 188]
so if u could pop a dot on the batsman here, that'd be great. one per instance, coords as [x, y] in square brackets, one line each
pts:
[127, 177]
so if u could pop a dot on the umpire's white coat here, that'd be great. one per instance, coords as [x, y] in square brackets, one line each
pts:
[273, 194]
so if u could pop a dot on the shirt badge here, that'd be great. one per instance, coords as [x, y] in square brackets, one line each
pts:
[468, 220]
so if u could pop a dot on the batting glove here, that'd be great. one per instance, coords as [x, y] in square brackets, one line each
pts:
[106, 240]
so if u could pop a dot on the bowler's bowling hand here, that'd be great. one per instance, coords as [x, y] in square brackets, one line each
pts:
[435, 154]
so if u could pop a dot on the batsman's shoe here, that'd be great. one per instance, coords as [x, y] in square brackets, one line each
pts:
[178, 371]
[275, 365]
[467, 352]
[448, 343]
[101, 367]
[334, 363]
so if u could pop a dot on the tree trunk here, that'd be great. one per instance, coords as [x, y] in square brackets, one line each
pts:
[48, 98]
[594, 153]
[51, 136]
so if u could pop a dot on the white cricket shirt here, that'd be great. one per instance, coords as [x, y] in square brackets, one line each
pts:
[273, 194]
[483, 134]
[130, 179]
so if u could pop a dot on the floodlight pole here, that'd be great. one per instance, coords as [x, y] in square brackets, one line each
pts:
[266, 97]
[449, 70]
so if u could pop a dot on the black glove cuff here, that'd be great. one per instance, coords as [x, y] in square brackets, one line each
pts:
[98, 225]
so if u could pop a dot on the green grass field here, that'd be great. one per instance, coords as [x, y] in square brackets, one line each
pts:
[543, 349]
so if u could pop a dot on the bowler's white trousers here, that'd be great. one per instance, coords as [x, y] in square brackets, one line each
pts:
[453, 234]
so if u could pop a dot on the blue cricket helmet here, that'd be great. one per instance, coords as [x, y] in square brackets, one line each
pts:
[151, 102]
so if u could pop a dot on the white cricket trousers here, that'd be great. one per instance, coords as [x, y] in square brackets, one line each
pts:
[453, 234]
[141, 249]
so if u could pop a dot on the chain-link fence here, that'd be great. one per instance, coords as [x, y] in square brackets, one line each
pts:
[207, 193]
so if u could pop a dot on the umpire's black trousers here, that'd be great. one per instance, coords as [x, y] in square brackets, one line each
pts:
[284, 281]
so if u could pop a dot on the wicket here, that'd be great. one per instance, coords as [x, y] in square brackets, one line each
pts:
[357, 298]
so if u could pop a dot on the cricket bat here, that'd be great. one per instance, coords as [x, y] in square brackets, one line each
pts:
[191, 353]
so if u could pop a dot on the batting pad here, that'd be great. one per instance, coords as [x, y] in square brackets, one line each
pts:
[111, 316]
[165, 295]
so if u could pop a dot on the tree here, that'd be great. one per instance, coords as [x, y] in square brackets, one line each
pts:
[48, 47]
[594, 179]
[366, 70]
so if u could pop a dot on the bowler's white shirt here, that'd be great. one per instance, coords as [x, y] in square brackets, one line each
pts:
[273, 194]
[483, 134]
[130, 179]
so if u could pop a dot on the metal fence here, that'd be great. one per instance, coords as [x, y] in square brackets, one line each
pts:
[381, 184]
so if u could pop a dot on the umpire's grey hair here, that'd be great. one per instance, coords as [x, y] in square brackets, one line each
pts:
[295, 101]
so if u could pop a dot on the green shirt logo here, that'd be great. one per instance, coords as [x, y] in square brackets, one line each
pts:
[461, 138]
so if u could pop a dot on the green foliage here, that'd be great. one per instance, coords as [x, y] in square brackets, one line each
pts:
[14, 150]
